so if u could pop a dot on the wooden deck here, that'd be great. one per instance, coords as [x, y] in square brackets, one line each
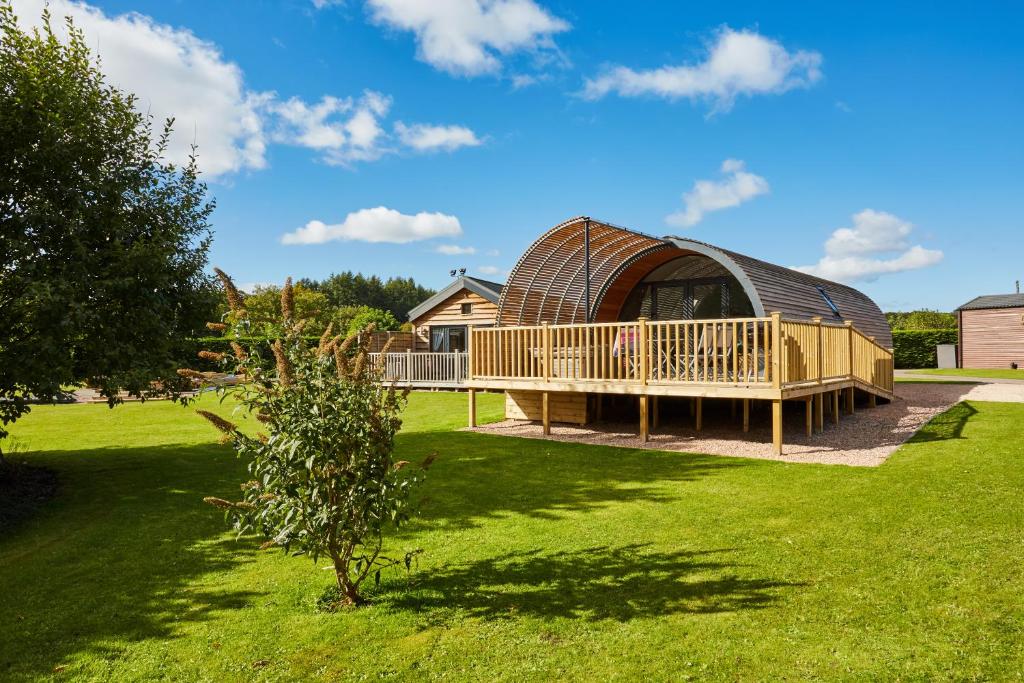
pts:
[769, 359]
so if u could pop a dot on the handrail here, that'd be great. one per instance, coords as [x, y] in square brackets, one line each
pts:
[746, 351]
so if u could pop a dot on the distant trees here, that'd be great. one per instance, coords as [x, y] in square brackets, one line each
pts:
[397, 295]
[923, 319]
[103, 242]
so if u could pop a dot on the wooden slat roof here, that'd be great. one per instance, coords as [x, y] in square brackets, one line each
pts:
[547, 284]
[549, 281]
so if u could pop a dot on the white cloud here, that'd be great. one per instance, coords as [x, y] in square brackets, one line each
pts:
[875, 245]
[174, 73]
[706, 196]
[738, 63]
[468, 37]
[520, 81]
[491, 270]
[344, 130]
[454, 250]
[425, 138]
[379, 224]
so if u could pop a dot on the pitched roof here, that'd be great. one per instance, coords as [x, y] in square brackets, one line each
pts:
[485, 288]
[994, 301]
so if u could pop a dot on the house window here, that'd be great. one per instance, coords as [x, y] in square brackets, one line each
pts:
[447, 338]
[467, 309]
[828, 300]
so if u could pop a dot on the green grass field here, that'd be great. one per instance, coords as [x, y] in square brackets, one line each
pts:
[976, 372]
[542, 560]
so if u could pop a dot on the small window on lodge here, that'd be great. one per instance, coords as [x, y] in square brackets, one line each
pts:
[467, 309]
[828, 300]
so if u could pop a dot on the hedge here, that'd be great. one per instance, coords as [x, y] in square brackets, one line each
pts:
[916, 348]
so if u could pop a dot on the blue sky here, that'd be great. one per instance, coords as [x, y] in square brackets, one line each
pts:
[900, 122]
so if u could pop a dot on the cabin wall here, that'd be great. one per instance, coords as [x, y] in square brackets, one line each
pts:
[562, 406]
[449, 312]
[992, 338]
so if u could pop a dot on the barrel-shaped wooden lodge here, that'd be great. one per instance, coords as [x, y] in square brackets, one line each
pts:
[593, 309]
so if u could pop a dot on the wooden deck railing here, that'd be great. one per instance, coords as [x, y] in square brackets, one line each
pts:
[424, 369]
[766, 351]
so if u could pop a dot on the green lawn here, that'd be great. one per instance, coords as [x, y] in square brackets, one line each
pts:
[542, 560]
[975, 372]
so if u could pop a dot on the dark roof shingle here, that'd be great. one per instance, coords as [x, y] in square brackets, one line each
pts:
[993, 301]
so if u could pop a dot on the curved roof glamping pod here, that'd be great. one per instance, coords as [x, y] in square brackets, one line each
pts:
[549, 281]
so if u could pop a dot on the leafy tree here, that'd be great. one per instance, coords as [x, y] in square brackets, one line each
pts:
[264, 307]
[324, 480]
[104, 243]
[397, 295]
[366, 316]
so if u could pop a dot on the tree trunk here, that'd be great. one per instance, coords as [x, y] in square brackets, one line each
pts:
[349, 590]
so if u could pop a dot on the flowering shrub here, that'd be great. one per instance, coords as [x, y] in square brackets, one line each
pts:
[324, 481]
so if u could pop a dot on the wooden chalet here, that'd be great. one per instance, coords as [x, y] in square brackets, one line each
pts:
[593, 310]
[991, 331]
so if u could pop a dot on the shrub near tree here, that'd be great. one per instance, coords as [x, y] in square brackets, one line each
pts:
[324, 480]
[103, 242]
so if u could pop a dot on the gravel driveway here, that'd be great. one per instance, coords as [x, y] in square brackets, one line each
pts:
[865, 439]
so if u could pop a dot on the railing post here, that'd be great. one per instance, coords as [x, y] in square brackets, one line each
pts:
[776, 349]
[469, 353]
[849, 341]
[546, 341]
[408, 366]
[642, 344]
[817, 322]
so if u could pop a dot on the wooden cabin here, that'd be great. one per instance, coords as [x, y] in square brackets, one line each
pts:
[593, 310]
[991, 332]
[441, 323]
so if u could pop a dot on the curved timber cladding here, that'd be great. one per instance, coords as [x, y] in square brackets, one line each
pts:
[548, 282]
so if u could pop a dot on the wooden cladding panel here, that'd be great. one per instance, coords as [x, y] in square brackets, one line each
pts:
[992, 338]
[563, 406]
[449, 312]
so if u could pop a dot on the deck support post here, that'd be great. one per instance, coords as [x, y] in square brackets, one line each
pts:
[644, 432]
[545, 413]
[809, 410]
[746, 415]
[819, 412]
[777, 426]
[872, 401]
[849, 401]
[655, 413]
[835, 406]
[472, 407]
[700, 414]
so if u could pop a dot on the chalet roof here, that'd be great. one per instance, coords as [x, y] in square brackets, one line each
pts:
[549, 283]
[993, 301]
[485, 288]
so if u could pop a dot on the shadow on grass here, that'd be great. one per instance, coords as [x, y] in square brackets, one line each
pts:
[947, 425]
[479, 476]
[618, 583]
[118, 555]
